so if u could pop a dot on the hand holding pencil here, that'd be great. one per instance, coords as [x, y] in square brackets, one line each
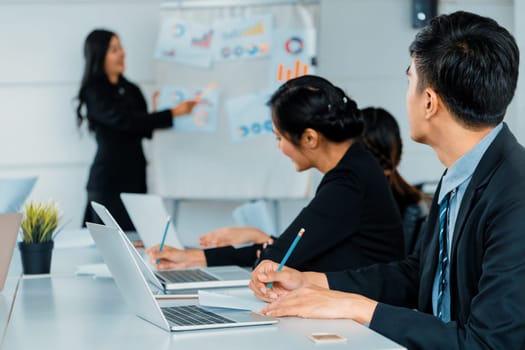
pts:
[284, 281]
[288, 253]
[270, 280]
[166, 257]
[173, 258]
[168, 219]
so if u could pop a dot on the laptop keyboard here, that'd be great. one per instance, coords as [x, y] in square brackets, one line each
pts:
[177, 276]
[192, 315]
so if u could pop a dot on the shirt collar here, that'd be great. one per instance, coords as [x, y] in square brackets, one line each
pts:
[465, 166]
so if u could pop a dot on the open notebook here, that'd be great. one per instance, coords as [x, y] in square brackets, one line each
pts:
[130, 281]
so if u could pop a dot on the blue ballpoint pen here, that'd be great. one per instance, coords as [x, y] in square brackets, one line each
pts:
[288, 253]
[164, 236]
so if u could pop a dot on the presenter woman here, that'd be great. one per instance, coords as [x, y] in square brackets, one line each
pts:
[352, 220]
[116, 112]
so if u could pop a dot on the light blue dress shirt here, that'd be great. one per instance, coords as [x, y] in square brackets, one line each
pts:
[456, 181]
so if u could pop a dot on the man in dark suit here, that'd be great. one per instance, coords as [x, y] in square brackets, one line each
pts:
[463, 287]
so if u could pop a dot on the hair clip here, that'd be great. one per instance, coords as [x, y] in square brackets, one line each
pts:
[345, 100]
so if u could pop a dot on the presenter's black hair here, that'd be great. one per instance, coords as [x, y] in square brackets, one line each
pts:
[95, 49]
[313, 102]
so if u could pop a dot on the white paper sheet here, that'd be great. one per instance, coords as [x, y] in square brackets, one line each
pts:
[229, 300]
[249, 116]
[294, 50]
[242, 38]
[185, 42]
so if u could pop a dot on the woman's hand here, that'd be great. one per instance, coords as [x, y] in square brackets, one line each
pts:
[227, 236]
[183, 108]
[265, 245]
[173, 258]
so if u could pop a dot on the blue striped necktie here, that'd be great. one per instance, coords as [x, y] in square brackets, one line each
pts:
[443, 253]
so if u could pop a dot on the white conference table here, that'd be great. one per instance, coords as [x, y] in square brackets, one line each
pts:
[64, 311]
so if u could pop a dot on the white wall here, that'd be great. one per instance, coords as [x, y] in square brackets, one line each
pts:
[363, 47]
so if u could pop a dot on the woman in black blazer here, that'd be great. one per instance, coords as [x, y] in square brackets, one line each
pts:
[352, 220]
[117, 114]
[382, 137]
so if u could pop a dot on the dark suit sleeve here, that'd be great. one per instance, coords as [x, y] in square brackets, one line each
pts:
[376, 281]
[244, 256]
[330, 218]
[124, 115]
[496, 317]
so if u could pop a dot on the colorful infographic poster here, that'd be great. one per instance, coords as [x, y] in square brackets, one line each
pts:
[185, 42]
[249, 116]
[204, 115]
[293, 53]
[242, 38]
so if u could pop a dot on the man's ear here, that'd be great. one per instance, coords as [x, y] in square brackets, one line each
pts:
[433, 103]
[310, 138]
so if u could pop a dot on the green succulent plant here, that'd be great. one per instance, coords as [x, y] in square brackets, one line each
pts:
[40, 223]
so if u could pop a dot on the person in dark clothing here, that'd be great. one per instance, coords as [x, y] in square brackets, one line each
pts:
[352, 220]
[462, 288]
[382, 138]
[117, 114]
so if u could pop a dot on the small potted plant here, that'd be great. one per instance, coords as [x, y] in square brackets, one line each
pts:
[39, 228]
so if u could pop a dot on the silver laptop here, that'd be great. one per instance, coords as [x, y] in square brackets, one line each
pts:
[9, 227]
[148, 214]
[183, 280]
[119, 257]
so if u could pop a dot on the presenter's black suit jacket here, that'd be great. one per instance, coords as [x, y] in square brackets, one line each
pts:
[119, 118]
[487, 267]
